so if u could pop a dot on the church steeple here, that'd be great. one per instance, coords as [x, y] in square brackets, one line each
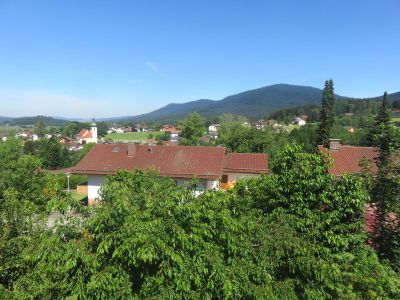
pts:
[93, 130]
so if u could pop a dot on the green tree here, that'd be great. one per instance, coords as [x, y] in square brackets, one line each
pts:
[386, 192]
[295, 234]
[193, 128]
[40, 129]
[327, 114]
[25, 192]
[101, 129]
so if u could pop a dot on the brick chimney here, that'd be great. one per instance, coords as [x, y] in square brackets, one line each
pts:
[132, 149]
[334, 144]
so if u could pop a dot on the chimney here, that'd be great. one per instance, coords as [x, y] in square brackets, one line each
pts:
[334, 144]
[132, 149]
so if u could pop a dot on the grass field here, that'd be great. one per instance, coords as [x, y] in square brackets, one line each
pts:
[79, 197]
[128, 136]
[4, 128]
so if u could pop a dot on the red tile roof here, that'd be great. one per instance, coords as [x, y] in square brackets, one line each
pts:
[347, 159]
[246, 163]
[84, 134]
[177, 161]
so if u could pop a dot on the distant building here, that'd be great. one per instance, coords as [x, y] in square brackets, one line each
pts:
[172, 130]
[88, 136]
[259, 124]
[396, 112]
[66, 140]
[299, 121]
[213, 128]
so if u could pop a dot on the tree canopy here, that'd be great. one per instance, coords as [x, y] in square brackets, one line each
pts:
[296, 234]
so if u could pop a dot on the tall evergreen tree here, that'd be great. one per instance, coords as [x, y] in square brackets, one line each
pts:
[327, 116]
[386, 138]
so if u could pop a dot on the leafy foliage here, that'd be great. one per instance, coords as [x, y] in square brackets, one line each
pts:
[295, 234]
[193, 128]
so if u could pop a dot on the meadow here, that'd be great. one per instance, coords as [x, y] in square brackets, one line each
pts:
[128, 136]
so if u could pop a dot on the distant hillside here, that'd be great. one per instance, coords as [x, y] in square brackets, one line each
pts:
[49, 121]
[5, 119]
[254, 104]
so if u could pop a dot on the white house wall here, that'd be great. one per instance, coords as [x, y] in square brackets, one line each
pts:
[237, 176]
[94, 184]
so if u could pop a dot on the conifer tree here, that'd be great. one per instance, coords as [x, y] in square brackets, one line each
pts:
[386, 192]
[327, 116]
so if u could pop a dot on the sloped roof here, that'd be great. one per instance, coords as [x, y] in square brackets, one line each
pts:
[347, 159]
[85, 134]
[246, 163]
[177, 161]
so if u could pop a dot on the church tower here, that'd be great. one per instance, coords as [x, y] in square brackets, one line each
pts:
[93, 130]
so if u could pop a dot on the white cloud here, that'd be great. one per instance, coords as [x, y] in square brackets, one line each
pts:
[15, 103]
[153, 66]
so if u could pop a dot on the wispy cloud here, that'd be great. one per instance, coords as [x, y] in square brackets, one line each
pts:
[153, 66]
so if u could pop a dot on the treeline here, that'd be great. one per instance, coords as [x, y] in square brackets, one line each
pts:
[362, 112]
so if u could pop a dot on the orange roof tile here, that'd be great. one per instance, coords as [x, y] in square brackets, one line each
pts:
[246, 163]
[347, 159]
[177, 161]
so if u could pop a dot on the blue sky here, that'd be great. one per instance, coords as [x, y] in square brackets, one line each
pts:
[114, 58]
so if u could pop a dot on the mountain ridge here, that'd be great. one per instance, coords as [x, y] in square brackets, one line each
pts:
[254, 104]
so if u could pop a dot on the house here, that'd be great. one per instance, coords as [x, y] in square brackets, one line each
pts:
[299, 121]
[141, 128]
[172, 130]
[88, 136]
[347, 159]
[213, 131]
[23, 134]
[182, 163]
[128, 129]
[213, 128]
[66, 140]
[395, 112]
[259, 124]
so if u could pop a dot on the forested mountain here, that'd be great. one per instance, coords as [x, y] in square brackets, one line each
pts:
[254, 104]
[5, 119]
[37, 119]
[345, 108]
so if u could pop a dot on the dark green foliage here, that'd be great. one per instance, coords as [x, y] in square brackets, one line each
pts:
[35, 120]
[72, 128]
[396, 104]
[52, 154]
[252, 140]
[193, 128]
[327, 114]
[287, 115]
[307, 136]
[24, 194]
[40, 129]
[362, 112]
[101, 129]
[386, 192]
